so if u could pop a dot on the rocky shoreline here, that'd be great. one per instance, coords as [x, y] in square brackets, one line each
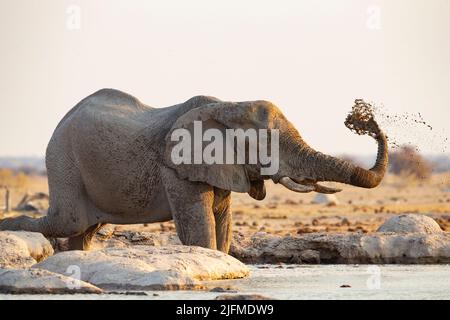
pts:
[140, 261]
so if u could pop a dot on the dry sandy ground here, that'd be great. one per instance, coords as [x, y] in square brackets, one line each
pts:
[287, 213]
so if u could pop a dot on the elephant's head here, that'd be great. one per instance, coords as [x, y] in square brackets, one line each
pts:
[300, 166]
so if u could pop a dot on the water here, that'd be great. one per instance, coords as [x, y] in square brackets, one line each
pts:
[314, 282]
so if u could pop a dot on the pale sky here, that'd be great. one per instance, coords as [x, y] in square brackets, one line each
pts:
[311, 58]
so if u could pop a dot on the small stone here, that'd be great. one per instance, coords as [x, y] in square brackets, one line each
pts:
[221, 289]
[106, 232]
[310, 256]
[326, 199]
[346, 286]
[242, 297]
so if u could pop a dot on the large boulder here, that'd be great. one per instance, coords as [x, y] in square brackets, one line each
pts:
[36, 281]
[140, 267]
[20, 249]
[344, 248]
[415, 223]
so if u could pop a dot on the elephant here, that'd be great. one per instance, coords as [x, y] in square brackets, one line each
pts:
[107, 162]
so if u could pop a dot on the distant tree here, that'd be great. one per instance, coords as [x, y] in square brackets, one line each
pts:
[407, 161]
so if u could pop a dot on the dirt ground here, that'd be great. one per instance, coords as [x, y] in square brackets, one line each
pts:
[287, 213]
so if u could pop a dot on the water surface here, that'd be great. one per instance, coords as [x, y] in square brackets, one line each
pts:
[314, 282]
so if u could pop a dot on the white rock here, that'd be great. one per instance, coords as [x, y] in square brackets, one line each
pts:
[417, 223]
[327, 199]
[36, 281]
[20, 249]
[148, 268]
[345, 248]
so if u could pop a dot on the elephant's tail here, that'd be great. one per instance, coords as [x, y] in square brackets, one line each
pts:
[25, 223]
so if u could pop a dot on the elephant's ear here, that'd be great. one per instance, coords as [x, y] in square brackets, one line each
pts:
[180, 151]
[257, 190]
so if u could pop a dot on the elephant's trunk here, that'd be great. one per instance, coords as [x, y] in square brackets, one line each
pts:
[328, 168]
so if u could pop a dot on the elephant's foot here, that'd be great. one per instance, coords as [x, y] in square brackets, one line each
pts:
[83, 241]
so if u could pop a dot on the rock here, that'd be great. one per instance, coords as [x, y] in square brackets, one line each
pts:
[310, 256]
[345, 248]
[417, 223]
[140, 267]
[20, 249]
[221, 289]
[290, 202]
[106, 232]
[36, 281]
[242, 297]
[145, 238]
[326, 199]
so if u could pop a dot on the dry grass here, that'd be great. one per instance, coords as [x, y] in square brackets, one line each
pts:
[19, 184]
[284, 212]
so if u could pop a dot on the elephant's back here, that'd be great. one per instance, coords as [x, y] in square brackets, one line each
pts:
[97, 139]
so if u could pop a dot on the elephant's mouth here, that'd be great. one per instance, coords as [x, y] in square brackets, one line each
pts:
[305, 186]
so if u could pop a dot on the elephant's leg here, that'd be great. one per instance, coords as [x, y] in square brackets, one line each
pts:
[191, 204]
[223, 217]
[70, 209]
[26, 223]
[83, 241]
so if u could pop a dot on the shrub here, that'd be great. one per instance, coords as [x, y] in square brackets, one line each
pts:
[11, 180]
[407, 161]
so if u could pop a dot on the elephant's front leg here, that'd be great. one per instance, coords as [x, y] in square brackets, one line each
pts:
[222, 213]
[191, 204]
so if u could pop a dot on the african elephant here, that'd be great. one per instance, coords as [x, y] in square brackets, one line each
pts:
[107, 162]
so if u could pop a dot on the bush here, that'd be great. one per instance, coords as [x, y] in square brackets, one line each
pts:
[407, 161]
[11, 180]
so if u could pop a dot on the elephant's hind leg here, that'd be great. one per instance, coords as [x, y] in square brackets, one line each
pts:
[26, 223]
[83, 241]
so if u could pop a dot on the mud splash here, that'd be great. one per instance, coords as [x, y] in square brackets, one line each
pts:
[402, 129]
[361, 120]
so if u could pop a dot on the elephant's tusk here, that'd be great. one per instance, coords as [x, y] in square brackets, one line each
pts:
[327, 190]
[291, 185]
